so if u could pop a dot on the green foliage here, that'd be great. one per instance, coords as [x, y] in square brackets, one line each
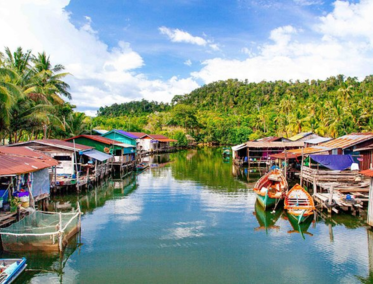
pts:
[181, 138]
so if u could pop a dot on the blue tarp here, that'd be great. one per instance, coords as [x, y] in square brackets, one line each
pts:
[97, 155]
[334, 162]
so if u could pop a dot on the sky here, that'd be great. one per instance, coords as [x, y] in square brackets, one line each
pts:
[122, 50]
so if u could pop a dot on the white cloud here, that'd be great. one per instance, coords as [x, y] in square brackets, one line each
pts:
[341, 43]
[101, 76]
[176, 35]
[188, 62]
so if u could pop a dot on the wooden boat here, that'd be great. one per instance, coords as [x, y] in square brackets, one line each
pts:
[301, 228]
[142, 166]
[270, 188]
[11, 268]
[226, 152]
[299, 203]
[266, 219]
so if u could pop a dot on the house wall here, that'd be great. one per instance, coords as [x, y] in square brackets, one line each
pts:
[120, 138]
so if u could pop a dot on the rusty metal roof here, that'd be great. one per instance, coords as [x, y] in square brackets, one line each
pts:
[21, 160]
[269, 139]
[54, 143]
[348, 140]
[299, 136]
[310, 150]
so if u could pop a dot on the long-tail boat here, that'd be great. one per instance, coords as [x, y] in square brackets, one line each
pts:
[266, 219]
[270, 188]
[299, 203]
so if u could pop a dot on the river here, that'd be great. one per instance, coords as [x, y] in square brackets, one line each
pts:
[193, 219]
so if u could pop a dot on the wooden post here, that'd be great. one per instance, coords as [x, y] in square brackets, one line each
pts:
[370, 204]
[60, 234]
[314, 186]
[76, 168]
[330, 199]
[301, 169]
[285, 169]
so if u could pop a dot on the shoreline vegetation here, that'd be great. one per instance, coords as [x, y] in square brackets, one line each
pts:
[33, 106]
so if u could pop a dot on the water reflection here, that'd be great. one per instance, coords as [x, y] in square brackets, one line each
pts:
[189, 219]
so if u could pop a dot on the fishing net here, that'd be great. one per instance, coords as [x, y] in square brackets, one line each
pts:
[39, 229]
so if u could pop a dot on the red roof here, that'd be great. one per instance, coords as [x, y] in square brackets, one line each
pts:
[368, 173]
[97, 138]
[21, 160]
[53, 143]
[157, 136]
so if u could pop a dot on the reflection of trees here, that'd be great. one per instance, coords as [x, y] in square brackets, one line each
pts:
[205, 167]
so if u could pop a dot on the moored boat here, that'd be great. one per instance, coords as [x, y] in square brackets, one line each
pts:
[142, 166]
[11, 268]
[270, 188]
[299, 204]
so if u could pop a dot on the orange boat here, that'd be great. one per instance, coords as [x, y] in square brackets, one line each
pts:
[299, 203]
[270, 188]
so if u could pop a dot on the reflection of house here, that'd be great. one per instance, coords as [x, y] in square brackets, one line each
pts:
[71, 158]
[123, 153]
[24, 169]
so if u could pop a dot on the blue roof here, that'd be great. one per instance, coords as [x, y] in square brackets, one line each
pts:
[121, 132]
[97, 155]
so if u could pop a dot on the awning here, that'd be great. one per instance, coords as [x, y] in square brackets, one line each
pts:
[97, 155]
[368, 173]
[239, 147]
[334, 162]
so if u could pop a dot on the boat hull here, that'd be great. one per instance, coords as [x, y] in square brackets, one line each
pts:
[266, 201]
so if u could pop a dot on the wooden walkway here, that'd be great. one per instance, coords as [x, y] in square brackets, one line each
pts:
[8, 218]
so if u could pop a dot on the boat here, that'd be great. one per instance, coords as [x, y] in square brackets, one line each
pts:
[226, 152]
[301, 228]
[299, 204]
[266, 219]
[11, 268]
[270, 188]
[142, 166]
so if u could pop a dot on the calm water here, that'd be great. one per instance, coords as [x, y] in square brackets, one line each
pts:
[193, 219]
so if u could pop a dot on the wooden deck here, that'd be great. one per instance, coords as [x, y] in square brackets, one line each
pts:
[8, 218]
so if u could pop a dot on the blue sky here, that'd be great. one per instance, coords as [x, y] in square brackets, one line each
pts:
[233, 25]
[118, 51]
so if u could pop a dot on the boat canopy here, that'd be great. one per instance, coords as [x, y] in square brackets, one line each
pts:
[100, 156]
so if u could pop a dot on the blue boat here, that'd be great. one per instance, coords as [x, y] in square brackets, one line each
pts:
[11, 268]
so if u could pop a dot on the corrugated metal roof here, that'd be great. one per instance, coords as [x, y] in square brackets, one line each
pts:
[100, 131]
[269, 139]
[368, 173]
[21, 160]
[122, 132]
[282, 156]
[251, 144]
[102, 140]
[157, 136]
[310, 150]
[166, 140]
[54, 143]
[300, 136]
[97, 155]
[318, 140]
[239, 147]
[138, 134]
[348, 140]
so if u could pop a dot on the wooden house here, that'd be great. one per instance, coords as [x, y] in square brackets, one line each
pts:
[25, 171]
[258, 153]
[73, 161]
[152, 143]
[108, 146]
[129, 153]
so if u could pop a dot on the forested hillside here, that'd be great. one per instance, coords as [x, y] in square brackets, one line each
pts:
[233, 111]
